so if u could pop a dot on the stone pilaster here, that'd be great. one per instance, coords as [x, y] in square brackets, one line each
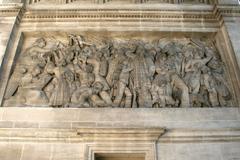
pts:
[8, 20]
[229, 17]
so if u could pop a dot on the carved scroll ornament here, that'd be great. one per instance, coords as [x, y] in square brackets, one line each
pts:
[130, 74]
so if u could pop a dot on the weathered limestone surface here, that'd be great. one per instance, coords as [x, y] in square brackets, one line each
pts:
[228, 2]
[202, 118]
[234, 35]
[206, 151]
[185, 151]
[6, 25]
[191, 133]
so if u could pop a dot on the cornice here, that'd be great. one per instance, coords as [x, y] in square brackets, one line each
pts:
[82, 135]
[161, 14]
[121, 135]
[229, 11]
[198, 135]
[10, 9]
[226, 13]
[124, 13]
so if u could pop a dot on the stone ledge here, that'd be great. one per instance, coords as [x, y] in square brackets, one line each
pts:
[82, 135]
[198, 7]
[119, 135]
[213, 135]
[75, 118]
[74, 115]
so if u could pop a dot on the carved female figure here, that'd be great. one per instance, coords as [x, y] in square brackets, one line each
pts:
[61, 93]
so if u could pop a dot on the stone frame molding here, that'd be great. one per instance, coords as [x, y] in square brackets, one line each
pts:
[148, 149]
[121, 141]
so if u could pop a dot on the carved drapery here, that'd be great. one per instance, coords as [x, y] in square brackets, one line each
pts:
[119, 73]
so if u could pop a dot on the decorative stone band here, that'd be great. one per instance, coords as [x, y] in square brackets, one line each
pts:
[82, 135]
[228, 11]
[118, 135]
[112, 1]
[148, 12]
[116, 15]
[195, 135]
[10, 10]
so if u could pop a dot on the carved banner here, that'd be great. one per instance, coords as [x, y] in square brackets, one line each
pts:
[127, 74]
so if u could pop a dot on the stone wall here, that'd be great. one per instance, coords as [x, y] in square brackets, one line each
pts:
[27, 133]
[234, 34]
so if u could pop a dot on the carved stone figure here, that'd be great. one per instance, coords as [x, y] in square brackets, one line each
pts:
[115, 66]
[92, 96]
[61, 93]
[210, 84]
[122, 86]
[30, 88]
[180, 89]
[36, 54]
[193, 73]
[111, 73]
[96, 71]
[143, 69]
[162, 91]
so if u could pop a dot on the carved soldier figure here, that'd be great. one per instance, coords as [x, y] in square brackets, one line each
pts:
[143, 69]
[210, 84]
[78, 40]
[115, 66]
[86, 79]
[224, 95]
[122, 86]
[174, 54]
[85, 74]
[96, 70]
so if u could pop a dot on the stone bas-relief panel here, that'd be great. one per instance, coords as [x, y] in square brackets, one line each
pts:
[118, 72]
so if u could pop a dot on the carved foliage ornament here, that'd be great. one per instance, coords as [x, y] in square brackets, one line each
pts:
[126, 74]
